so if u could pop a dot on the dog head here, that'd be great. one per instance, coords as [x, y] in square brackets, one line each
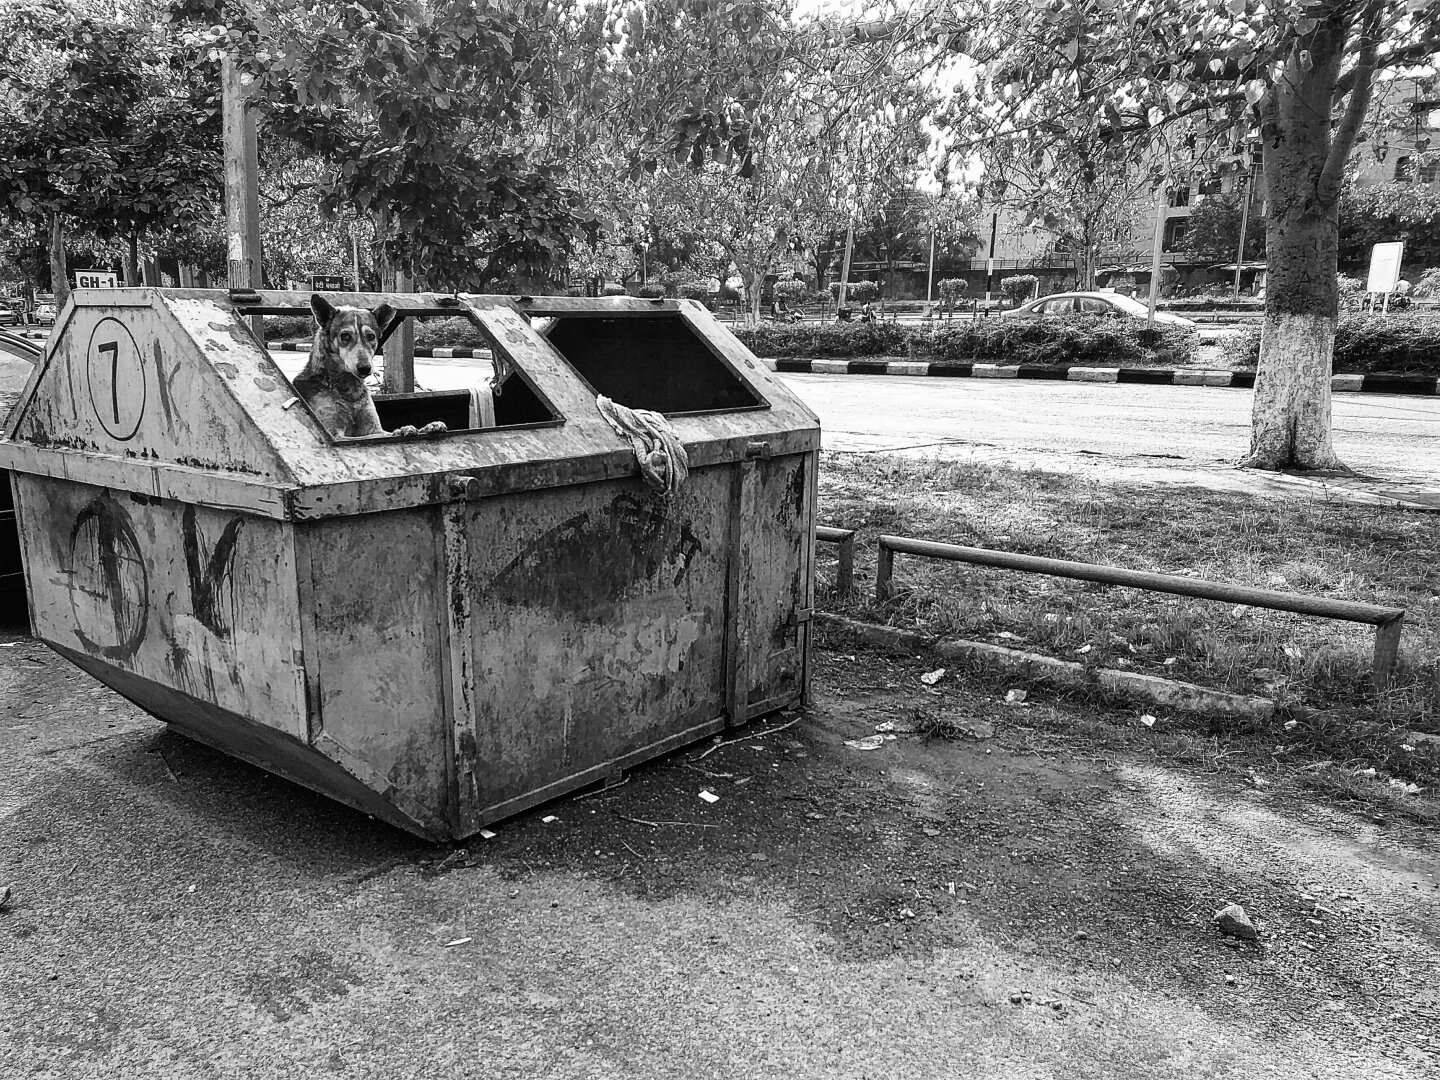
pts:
[347, 337]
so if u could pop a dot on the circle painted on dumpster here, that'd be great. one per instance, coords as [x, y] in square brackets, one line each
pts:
[117, 378]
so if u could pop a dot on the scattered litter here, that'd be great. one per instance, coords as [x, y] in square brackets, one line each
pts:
[292, 401]
[1408, 789]
[548, 818]
[1257, 781]
[1229, 979]
[1083, 649]
[1052, 617]
[890, 726]
[870, 742]
[1240, 610]
[950, 887]
[1293, 652]
[1407, 748]
[906, 913]
[1006, 635]
[931, 832]
[191, 889]
[1290, 724]
[486, 834]
[1014, 697]
[1148, 720]
[8, 644]
[1170, 661]
[930, 678]
[709, 796]
[457, 941]
[1365, 772]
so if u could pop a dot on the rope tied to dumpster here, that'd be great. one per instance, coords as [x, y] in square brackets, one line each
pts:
[664, 464]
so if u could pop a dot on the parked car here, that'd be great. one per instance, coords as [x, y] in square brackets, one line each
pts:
[1115, 305]
[44, 313]
[11, 312]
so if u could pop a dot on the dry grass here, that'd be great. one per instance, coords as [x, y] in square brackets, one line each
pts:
[1317, 670]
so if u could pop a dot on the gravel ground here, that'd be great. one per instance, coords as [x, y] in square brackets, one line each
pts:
[1025, 900]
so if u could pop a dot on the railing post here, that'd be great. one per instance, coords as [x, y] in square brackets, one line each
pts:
[884, 567]
[1387, 649]
[845, 568]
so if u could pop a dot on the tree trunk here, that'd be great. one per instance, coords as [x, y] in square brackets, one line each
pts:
[754, 283]
[59, 272]
[1290, 415]
[132, 261]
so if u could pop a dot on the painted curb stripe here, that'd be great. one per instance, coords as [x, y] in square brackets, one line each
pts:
[1423, 385]
[1146, 375]
[1398, 384]
[1195, 377]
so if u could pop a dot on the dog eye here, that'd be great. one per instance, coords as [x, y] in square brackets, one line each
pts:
[347, 337]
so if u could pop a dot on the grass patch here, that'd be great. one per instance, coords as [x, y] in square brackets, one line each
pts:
[1317, 670]
[1407, 344]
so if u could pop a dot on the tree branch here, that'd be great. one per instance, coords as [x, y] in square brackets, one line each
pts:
[1328, 186]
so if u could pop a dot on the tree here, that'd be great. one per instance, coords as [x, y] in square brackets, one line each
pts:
[1294, 77]
[422, 115]
[107, 125]
[1385, 212]
[1214, 228]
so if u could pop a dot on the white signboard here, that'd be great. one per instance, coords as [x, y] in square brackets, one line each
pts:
[1385, 267]
[95, 279]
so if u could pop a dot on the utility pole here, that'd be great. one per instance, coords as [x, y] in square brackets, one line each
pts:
[845, 270]
[242, 188]
[1160, 207]
[1244, 226]
[355, 252]
[990, 262]
[930, 278]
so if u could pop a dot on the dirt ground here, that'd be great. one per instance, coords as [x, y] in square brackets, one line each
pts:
[1030, 899]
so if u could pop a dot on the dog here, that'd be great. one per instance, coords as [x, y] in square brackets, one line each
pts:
[333, 380]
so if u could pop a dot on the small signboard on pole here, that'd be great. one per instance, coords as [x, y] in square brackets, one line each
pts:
[1385, 267]
[95, 279]
[327, 283]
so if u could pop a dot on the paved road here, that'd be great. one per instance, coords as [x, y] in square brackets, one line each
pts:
[1393, 437]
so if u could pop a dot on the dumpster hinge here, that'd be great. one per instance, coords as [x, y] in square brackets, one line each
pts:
[799, 616]
[757, 448]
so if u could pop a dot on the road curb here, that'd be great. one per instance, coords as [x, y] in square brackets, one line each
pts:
[1424, 385]
[1152, 689]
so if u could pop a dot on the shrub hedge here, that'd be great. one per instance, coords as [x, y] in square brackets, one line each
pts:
[1364, 344]
[1012, 341]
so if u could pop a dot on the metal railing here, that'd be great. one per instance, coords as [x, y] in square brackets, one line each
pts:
[845, 570]
[1387, 621]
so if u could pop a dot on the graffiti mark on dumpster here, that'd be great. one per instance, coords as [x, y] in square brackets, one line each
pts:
[166, 384]
[116, 370]
[583, 565]
[109, 585]
[212, 587]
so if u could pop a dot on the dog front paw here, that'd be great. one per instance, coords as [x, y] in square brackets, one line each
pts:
[405, 432]
[434, 428]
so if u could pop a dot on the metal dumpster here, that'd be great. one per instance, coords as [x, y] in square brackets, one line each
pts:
[439, 631]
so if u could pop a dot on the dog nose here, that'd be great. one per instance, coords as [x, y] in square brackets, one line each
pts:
[364, 369]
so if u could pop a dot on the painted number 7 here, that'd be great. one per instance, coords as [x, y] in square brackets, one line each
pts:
[113, 348]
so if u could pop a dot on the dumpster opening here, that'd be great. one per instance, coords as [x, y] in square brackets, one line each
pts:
[654, 362]
[486, 405]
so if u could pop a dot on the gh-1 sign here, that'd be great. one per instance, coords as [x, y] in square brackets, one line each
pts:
[95, 279]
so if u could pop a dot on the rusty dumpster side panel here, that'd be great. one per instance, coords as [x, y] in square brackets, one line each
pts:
[195, 598]
[373, 589]
[775, 580]
[593, 632]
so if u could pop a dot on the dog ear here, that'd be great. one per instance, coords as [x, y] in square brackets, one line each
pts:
[321, 308]
[383, 316]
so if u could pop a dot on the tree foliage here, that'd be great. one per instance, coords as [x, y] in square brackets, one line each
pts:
[110, 124]
[1384, 212]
